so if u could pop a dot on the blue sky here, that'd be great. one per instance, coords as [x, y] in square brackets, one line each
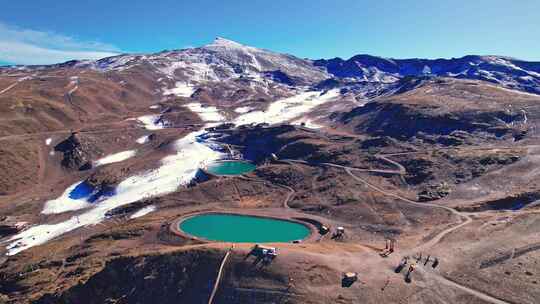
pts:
[38, 31]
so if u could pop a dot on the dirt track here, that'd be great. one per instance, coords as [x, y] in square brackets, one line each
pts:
[433, 241]
[219, 275]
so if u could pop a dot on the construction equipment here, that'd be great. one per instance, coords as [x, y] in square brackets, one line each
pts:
[401, 265]
[339, 234]
[263, 251]
[266, 250]
[349, 278]
[435, 263]
[409, 272]
[262, 254]
[324, 230]
[389, 247]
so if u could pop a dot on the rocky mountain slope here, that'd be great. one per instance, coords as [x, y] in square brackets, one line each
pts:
[101, 159]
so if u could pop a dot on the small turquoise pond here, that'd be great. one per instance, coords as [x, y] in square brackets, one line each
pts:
[243, 229]
[232, 167]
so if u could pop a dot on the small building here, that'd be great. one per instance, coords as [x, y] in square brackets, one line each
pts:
[339, 234]
[264, 251]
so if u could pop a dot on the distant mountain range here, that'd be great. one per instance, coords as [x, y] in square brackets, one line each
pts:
[508, 72]
[225, 60]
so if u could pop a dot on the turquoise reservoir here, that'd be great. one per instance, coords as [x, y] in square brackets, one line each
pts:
[232, 167]
[243, 229]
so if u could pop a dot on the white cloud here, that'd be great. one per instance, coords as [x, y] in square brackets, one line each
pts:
[23, 46]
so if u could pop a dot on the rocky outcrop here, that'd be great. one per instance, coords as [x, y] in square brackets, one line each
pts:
[106, 178]
[103, 182]
[76, 156]
[434, 192]
[280, 77]
[6, 230]
[257, 142]
[130, 208]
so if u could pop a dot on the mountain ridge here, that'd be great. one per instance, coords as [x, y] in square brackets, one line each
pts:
[226, 59]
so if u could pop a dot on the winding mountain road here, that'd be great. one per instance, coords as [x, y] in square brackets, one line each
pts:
[465, 219]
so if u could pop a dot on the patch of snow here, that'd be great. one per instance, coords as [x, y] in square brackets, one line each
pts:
[206, 113]
[115, 158]
[489, 75]
[21, 225]
[51, 153]
[308, 123]
[142, 140]
[242, 110]
[182, 89]
[154, 107]
[143, 211]
[152, 122]
[196, 69]
[118, 63]
[226, 43]
[234, 49]
[64, 203]
[175, 170]
[48, 141]
[74, 81]
[533, 73]
[503, 62]
[289, 108]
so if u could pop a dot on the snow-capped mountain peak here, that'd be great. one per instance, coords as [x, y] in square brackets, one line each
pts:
[223, 42]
